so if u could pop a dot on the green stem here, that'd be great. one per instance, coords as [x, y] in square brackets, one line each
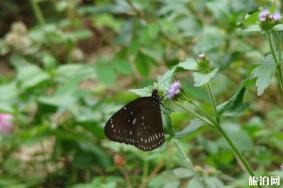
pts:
[37, 12]
[145, 171]
[225, 135]
[277, 62]
[204, 113]
[213, 101]
[234, 148]
[196, 115]
[188, 163]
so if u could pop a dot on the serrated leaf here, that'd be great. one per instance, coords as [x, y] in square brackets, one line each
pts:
[188, 64]
[201, 79]
[164, 81]
[194, 125]
[233, 103]
[263, 74]
[278, 27]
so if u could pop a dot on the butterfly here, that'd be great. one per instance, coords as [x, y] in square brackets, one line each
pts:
[139, 123]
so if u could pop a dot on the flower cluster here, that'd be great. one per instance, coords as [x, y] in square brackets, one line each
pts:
[265, 15]
[174, 89]
[268, 19]
[6, 125]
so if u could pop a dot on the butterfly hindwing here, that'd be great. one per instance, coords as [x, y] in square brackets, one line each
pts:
[138, 123]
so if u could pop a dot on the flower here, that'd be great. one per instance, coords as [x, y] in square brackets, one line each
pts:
[276, 16]
[6, 124]
[174, 89]
[263, 14]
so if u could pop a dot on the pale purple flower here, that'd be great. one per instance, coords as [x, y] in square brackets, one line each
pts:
[174, 89]
[263, 14]
[276, 16]
[6, 124]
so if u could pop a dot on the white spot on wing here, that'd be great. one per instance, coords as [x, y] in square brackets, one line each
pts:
[134, 121]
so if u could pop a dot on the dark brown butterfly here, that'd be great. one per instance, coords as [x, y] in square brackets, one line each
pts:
[139, 123]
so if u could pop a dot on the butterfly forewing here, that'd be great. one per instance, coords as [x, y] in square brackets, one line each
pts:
[139, 123]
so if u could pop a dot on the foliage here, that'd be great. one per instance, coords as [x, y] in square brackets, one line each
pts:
[69, 65]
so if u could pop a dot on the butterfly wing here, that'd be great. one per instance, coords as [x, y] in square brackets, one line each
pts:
[139, 123]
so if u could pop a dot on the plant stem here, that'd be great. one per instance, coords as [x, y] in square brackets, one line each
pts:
[277, 62]
[188, 163]
[225, 135]
[37, 12]
[203, 112]
[234, 148]
[145, 171]
[196, 115]
[213, 101]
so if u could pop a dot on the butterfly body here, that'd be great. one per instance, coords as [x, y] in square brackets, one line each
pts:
[138, 123]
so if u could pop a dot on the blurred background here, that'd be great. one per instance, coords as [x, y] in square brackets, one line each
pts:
[66, 66]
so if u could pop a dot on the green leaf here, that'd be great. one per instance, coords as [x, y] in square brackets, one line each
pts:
[235, 132]
[164, 81]
[105, 74]
[146, 91]
[182, 173]
[162, 179]
[70, 70]
[79, 35]
[201, 79]
[233, 103]
[214, 182]
[122, 66]
[143, 63]
[194, 125]
[251, 19]
[194, 183]
[71, 84]
[278, 27]
[58, 100]
[173, 184]
[252, 28]
[30, 75]
[263, 74]
[210, 38]
[189, 64]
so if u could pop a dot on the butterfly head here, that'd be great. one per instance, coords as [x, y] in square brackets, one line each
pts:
[156, 97]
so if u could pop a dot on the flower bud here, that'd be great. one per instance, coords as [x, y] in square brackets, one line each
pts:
[203, 63]
[119, 160]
